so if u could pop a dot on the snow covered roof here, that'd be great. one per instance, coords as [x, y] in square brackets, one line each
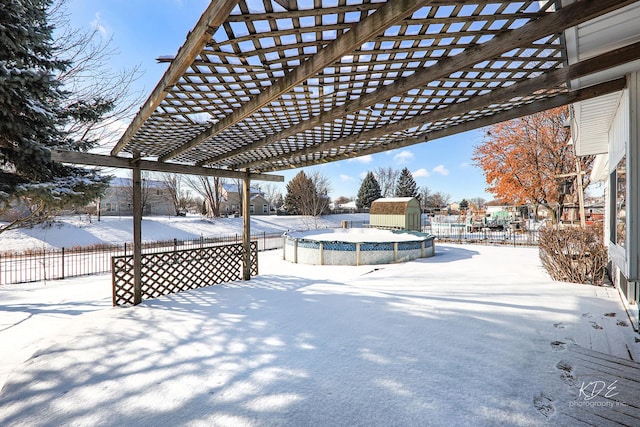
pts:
[233, 188]
[128, 182]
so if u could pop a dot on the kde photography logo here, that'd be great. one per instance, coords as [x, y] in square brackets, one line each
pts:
[592, 393]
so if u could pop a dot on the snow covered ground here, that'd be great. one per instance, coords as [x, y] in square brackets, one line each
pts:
[468, 337]
[82, 231]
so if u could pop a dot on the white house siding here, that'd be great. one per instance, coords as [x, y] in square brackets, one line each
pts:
[624, 143]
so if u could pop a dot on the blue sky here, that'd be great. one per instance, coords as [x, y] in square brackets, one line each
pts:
[143, 30]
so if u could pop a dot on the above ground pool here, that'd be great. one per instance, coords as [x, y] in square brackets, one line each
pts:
[356, 246]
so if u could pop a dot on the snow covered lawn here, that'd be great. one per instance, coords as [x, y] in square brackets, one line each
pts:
[463, 338]
[77, 230]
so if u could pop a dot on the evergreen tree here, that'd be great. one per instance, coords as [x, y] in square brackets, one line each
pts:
[32, 117]
[300, 193]
[368, 192]
[406, 185]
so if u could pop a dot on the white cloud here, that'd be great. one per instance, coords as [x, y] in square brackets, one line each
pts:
[346, 178]
[465, 165]
[440, 169]
[364, 159]
[403, 157]
[420, 173]
[98, 24]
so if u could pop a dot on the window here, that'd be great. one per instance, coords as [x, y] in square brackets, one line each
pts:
[265, 208]
[619, 203]
[252, 209]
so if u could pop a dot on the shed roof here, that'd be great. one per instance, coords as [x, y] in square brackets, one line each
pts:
[391, 205]
[267, 85]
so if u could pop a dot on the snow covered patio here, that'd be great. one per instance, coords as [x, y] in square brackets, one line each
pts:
[477, 335]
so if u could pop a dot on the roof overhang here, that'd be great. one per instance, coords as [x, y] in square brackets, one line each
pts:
[592, 118]
[263, 85]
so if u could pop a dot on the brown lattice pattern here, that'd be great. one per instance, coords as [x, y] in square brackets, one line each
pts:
[165, 273]
[390, 79]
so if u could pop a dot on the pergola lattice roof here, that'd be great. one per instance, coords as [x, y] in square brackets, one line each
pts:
[266, 85]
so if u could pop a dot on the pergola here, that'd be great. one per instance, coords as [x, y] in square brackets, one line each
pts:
[267, 85]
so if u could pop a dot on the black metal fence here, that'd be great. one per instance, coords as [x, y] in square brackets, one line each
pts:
[37, 265]
[506, 236]
[51, 264]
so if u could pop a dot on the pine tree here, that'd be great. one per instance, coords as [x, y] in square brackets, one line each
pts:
[300, 193]
[368, 192]
[406, 185]
[32, 119]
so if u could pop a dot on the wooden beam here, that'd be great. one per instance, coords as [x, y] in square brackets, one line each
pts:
[551, 23]
[389, 14]
[90, 159]
[364, 7]
[284, 3]
[613, 58]
[214, 16]
[523, 88]
[514, 113]
[137, 232]
[246, 227]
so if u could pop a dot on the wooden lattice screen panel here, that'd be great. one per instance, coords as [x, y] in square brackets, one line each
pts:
[169, 272]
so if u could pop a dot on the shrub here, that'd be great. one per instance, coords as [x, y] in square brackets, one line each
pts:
[574, 254]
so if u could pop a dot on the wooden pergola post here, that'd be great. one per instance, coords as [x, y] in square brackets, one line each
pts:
[246, 227]
[137, 231]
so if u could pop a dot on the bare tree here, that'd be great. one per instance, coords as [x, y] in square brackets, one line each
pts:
[308, 195]
[425, 194]
[173, 182]
[439, 200]
[237, 182]
[209, 188]
[102, 94]
[126, 195]
[272, 194]
[479, 202]
[387, 178]
[313, 196]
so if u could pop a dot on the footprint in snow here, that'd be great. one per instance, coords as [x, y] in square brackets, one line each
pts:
[612, 314]
[587, 315]
[566, 372]
[544, 404]
[595, 325]
[559, 325]
[622, 323]
[558, 346]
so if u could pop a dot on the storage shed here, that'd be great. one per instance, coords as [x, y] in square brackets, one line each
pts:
[402, 213]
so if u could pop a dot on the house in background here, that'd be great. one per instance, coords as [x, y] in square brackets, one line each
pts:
[230, 203]
[117, 199]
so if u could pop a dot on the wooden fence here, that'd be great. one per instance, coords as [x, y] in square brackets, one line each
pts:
[165, 273]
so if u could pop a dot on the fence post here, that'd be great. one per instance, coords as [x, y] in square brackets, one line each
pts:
[62, 263]
[175, 245]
